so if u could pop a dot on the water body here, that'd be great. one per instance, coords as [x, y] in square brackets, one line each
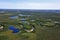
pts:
[13, 17]
[14, 30]
[23, 15]
[23, 19]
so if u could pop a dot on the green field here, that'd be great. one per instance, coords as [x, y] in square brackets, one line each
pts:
[47, 26]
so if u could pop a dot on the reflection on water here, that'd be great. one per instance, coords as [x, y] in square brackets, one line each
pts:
[23, 15]
[13, 17]
[23, 19]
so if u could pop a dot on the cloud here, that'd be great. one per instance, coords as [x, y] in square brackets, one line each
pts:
[39, 5]
[30, 5]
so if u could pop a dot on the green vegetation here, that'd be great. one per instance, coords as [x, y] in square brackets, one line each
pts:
[46, 26]
[4, 38]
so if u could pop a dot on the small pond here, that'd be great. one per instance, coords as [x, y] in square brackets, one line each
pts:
[14, 30]
[13, 17]
[23, 19]
[24, 15]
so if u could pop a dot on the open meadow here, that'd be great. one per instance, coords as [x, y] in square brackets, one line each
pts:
[29, 25]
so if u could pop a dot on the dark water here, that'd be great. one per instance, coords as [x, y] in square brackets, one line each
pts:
[14, 30]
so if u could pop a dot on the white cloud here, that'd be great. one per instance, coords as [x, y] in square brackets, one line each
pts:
[30, 5]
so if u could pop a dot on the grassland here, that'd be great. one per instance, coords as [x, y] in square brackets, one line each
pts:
[45, 25]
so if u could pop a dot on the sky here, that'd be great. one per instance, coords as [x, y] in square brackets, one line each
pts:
[29, 4]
